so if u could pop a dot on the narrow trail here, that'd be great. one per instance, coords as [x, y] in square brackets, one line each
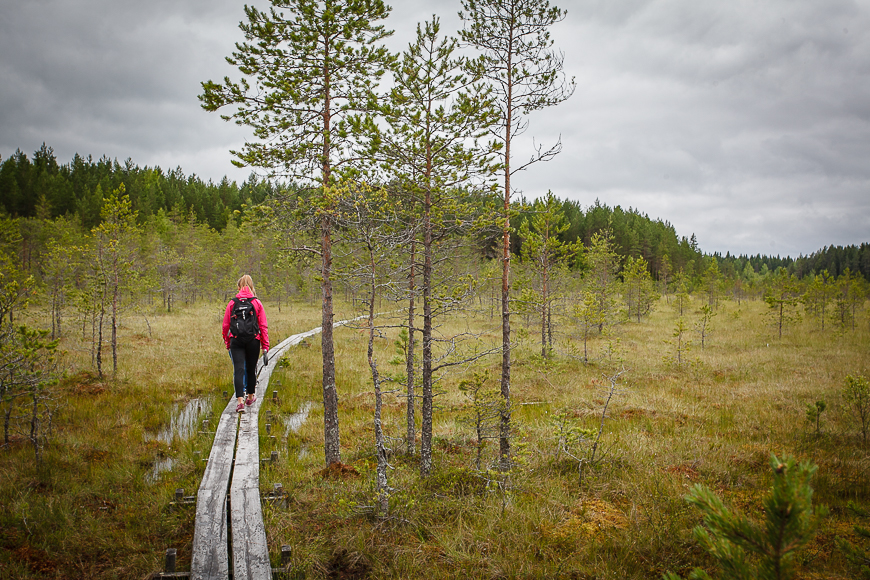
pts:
[229, 531]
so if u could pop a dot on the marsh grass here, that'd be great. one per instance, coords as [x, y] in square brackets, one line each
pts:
[90, 511]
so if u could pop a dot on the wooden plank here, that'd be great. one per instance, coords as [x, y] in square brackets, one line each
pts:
[250, 550]
[210, 559]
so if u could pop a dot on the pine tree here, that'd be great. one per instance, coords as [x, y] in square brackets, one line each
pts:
[545, 253]
[313, 68]
[747, 550]
[782, 296]
[638, 288]
[436, 117]
[514, 39]
[599, 281]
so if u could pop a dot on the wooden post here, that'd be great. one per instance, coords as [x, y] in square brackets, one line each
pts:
[279, 489]
[226, 394]
[179, 494]
[169, 567]
[274, 457]
[269, 414]
[273, 440]
[286, 553]
[268, 428]
[274, 396]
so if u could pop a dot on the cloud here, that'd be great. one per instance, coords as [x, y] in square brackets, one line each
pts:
[746, 122]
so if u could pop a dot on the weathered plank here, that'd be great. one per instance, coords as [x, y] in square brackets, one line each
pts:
[210, 559]
[250, 551]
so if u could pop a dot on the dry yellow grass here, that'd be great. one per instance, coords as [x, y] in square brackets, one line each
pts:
[714, 421]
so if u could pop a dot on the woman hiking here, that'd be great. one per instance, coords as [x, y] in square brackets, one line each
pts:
[245, 330]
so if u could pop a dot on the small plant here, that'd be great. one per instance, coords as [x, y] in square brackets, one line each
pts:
[702, 326]
[747, 550]
[814, 414]
[485, 411]
[857, 395]
[569, 435]
[856, 556]
[680, 343]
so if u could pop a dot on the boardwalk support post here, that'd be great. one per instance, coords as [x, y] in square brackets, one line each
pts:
[274, 396]
[169, 567]
[268, 428]
[179, 494]
[286, 553]
[273, 458]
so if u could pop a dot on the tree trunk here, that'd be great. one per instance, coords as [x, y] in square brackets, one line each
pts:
[115, 322]
[409, 360]
[505, 424]
[426, 427]
[331, 434]
[34, 427]
[382, 489]
[100, 337]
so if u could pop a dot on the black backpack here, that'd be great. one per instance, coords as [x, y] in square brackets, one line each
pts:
[243, 319]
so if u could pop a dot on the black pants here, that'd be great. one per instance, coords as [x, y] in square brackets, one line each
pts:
[245, 355]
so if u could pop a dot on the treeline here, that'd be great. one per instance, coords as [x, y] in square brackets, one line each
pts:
[41, 187]
[835, 259]
[634, 234]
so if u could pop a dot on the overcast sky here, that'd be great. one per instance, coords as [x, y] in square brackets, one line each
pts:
[746, 122]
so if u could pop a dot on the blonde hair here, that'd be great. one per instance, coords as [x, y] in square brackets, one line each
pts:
[246, 281]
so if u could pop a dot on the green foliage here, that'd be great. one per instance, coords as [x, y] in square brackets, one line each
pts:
[680, 344]
[858, 557]
[748, 550]
[682, 299]
[711, 281]
[814, 414]
[849, 296]
[782, 295]
[549, 258]
[857, 395]
[304, 93]
[702, 325]
[76, 189]
[638, 288]
[818, 296]
[602, 263]
[486, 406]
[28, 367]
[569, 435]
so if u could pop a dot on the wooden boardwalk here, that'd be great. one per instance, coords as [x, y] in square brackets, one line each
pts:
[230, 534]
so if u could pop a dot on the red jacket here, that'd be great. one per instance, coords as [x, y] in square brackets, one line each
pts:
[263, 335]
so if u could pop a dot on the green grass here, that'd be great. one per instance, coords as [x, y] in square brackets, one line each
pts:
[90, 510]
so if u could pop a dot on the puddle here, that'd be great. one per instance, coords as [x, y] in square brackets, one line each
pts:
[184, 424]
[294, 421]
[161, 464]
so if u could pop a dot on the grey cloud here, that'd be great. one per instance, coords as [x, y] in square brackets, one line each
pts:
[746, 122]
